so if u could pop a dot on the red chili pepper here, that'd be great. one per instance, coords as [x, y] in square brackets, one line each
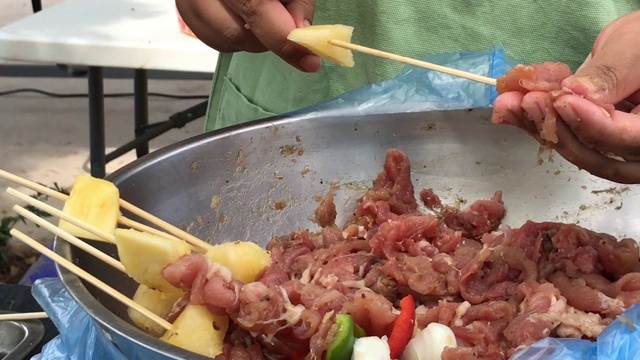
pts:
[402, 327]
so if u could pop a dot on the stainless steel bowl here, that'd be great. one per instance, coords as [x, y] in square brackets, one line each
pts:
[19, 338]
[253, 181]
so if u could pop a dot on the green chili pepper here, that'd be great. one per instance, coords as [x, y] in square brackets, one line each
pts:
[358, 331]
[341, 347]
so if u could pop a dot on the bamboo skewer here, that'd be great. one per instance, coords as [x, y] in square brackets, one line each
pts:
[33, 185]
[177, 233]
[70, 238]
[202, 245]
[414, 62]
[23, 316]
[89, 278]
[144, 228]
[62, 215]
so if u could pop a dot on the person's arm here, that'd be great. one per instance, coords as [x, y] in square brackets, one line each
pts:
[252, 26]
[588, 135]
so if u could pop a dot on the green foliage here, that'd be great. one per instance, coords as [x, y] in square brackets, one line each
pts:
[8, 222]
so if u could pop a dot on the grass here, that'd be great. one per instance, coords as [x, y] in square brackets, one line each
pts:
[8, 222]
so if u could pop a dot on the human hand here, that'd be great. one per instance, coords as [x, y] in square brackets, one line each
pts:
[252, 26]
[591, 134]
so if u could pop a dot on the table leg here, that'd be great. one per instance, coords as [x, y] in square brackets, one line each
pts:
[141, 108]
[97, 143]
[36, 5]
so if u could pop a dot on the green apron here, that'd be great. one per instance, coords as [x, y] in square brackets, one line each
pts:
[252, 86]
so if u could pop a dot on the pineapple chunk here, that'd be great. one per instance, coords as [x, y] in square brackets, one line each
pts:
[158, 302]
[316, 38]
[198, 330]
[145, 255]
[245, 259]
[95, 202]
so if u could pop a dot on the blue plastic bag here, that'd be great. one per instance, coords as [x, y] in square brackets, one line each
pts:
[42, 268]
[417, 89]
[80, 338]
[619, 341]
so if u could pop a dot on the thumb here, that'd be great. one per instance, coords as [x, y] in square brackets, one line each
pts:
[612, 72]
[302, 11]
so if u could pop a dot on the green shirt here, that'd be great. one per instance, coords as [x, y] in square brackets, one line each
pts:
[252, 86]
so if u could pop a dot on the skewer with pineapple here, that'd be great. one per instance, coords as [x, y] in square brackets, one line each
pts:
[244, 259]
[333, 43]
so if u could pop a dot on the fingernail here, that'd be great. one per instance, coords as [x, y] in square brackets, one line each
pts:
[310, 63]
[533, 110]
[566, 111]
[504, 117]
[588, 86]
[306, 23]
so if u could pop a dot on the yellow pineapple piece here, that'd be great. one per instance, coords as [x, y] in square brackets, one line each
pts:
[245, 259]
[198, 330]
[145, 255]
[158, 302]
[95, 202]
[316, 38]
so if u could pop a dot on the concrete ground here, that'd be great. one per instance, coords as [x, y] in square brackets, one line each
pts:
[45, 139]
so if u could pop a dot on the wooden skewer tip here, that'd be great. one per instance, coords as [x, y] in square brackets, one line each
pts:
[23, 316]
[32, 185]
[173, 230]
[89, 278]
[62, 215]
[69, 238]
[414, 62]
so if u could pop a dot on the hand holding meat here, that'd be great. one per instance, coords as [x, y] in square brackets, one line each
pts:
[591, 118]
[252, 26]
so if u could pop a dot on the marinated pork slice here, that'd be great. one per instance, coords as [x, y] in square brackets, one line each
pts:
[326, 212]
[546, 77]
[481, 217]
[394, 184]
[535, 77]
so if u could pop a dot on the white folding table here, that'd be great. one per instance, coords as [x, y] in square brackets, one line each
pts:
[134, 34]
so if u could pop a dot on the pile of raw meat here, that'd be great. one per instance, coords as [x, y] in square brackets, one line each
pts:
[499, 289]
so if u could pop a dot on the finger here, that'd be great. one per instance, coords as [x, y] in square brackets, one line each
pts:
[302, 12]
[586, 61]
[613, 72]
[218, 27]
[508, 110]
[540, 111]
[570, 148]
[271, 23]
[616, 132]
[610, 30]
[505, 104]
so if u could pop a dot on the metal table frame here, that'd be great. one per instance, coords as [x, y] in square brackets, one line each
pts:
[143, 131]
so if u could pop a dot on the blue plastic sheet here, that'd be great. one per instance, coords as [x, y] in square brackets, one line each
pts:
[417, 89]
[413, 90]
[42, 268]
[619, 341]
